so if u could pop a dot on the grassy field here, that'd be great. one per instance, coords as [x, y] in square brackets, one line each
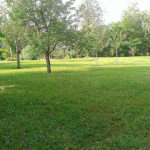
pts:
[79, 106]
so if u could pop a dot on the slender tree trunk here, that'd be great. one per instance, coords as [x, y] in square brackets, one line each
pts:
[96, 58]
[18, 60]
[18, 56]
[47, 57]
[133, 52]
[11, 52]
[116, 56]
[130, 52]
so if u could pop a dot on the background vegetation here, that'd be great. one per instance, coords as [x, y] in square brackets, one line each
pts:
[34, 31]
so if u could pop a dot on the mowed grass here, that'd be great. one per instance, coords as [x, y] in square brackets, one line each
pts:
[79, 106]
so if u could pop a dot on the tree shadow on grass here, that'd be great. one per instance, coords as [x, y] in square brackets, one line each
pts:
[6, 66]
[84, 68]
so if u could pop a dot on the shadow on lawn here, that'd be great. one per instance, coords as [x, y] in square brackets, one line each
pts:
[13, 65]
[84, 68]
[6, 66]
[24, 65]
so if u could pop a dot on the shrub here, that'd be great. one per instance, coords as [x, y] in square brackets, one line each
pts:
[30, 52]
[3, 54]
[71, 54]
[58, 55]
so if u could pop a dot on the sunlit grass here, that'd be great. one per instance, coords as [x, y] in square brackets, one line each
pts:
[80, 105]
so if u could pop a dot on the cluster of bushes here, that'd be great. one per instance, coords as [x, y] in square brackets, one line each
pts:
[4, 54]
[1, 55]
[30, 52]
[61, 54]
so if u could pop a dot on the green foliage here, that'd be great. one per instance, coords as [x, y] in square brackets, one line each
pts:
[51, 30]
[1, 36]
[135, 23]
[90, 14]
[58, 55]
[4, 54]
[128, 37]
[1, 55]
[30, 52]
[34, 23]
[71, 54]
[14, 32]
[48, 23]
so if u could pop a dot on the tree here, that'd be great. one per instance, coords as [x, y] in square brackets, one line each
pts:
[48, 23]
[135, 24]
[13, 28]
[14, 33]
[98, 40]
[117, 38]
[90, 16]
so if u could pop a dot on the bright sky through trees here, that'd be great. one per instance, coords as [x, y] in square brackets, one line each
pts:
[113, 8]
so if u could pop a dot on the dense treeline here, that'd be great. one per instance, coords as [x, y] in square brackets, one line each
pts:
[35, 29]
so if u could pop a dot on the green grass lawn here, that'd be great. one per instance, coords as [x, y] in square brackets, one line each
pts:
[79, 106]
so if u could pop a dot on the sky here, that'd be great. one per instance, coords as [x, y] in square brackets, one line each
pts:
[113, 8]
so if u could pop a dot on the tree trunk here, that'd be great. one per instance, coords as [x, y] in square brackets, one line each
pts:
[116, 56]
[11, 52]
[133, 52]
[47, 57]
[96, 58]
[18, 56]
[18, 60]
